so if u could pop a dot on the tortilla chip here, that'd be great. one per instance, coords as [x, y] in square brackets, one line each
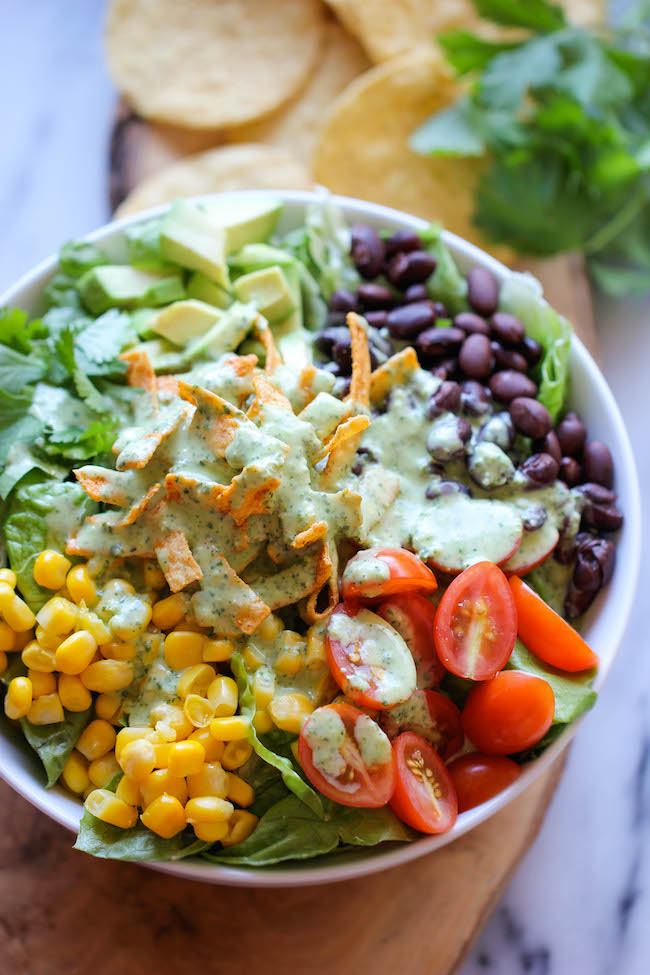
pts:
[102, 484]
[219, 418]
[329, 569]
[138, 451]
[351, 427]
[394, 372]
[295, 581]
[360, 382]
[312, 534]
[262, 331]
[167, 384]
[243, 365]
[177, 562]
[138, 508]
[247, 607]
[140, 372]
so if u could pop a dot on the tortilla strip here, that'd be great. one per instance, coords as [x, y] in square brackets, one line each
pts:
[219, 418]
[394, 372]
[242, 365]
[102, 484]
[140, 372]
[138, 508]
[360, 382]
[248, 609]
[312, 534]
[167, 384]
[255, 498]
[351, 427]
[137, 452]
[296, 581]
[308, 609]
[176, 560]
[107, 541]
[266, 394]
[263, 333]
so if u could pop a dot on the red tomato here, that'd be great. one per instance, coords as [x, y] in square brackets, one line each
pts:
[354, 782]
[424, 796]
[509, 713]
[414, 617]
[377, 572]
[478, 778]
[430, 715]
[476, 623]
[368, 658]
[546, 634]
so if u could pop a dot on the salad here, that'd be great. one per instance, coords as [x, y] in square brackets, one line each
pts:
[294, 526]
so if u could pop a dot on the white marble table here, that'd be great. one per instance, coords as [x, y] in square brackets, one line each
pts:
[579, 904]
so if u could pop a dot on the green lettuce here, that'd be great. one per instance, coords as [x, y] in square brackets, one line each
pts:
[446, 284]
[573, 694]
[139, 843]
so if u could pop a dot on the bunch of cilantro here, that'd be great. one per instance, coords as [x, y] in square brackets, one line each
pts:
[562, 118]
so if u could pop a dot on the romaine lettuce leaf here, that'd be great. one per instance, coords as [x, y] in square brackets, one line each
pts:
[139, 843]
[573, 694]
[446, 284]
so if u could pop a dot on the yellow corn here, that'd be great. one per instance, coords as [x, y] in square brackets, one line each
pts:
[96, 739]
[170, 611]
[126, 735]
[16, 612]
[47, 640]
[195, 680]
[111, 809]
[218, 651]
[58, 616]
[230, 729]
[80, 586]
[42, 683]
[252, 657]
[18, 699]
[118, 587]
[236, 754]
[205, 810]
[119, 651]
[46, 710]
[223, 696]
[153, 575]
[186, 758]
[262, 722]
[138, 759]
[270, 628]
[316, 649]
[76, 652]
[213, 749]
[75, 773]
[106, 676]
[198, 711]
[107, 706]
[87, 620]
[132, 623]
[211, 832]
[36, 658]
[23, 638]
[170, 722]
[263, 687]
[210, 780]
[161, 749]
[164, 816]
[289, 662]
[239, 791]
[290, 711]
[102, 771]
[4, 662]
[74, 696]
[6, 575]
[50, 569]
[240, 826]
[7, 638]
[159, 782]
[183, 648]
[128, 791]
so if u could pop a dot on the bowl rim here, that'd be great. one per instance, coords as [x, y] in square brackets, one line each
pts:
[371, 860]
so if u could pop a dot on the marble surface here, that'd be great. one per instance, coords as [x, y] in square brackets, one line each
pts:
[579, 903]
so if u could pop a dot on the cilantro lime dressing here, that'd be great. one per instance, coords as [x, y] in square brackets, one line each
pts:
[380, 661]
[325, 734]
[365, 569]
[373, 744]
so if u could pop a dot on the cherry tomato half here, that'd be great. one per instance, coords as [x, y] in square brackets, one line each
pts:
[413, 616]
[347, 757]
[377, 572]
[430, 715]
[368, 658]
[476, 623]
[509, 713]
[546, 634]
[478, 778]
[424, 796]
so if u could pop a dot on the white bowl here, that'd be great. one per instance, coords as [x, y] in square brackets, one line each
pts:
[605, 622]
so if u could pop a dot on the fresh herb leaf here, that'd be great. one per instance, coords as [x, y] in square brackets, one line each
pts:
[538, 15]
[17, 331]
[18, 370]
[466, 52]
[77, 443]
[78, 256]
[17, 425]
[452, 132]
[23, 459]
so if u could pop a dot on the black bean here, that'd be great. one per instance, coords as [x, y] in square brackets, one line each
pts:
[600, 549]
[409, 268]
[565, 550]
[498, 429]
[377, 319]
[445, 368]
[507, 328]
[508, 358]
[596, 493]
[470, 323]
[407, 321]
[586, 574]
[475, 398]
[403, 240]
[476, 358]
[572, 433]
[438, 341]
[342, 353]
[551, 445]
[337, 319]
[482, 291]
[342, 300]
[439, 310]
[531, 418]
[602, 517]
[326, 339]
[533, 517]
[447, 437]
[508, 384]
[532, 350]
[446, 397]
[570, 471]
[367, 250]
[464, 430]
[540, 468]
[576, 601]
[375, 296]
[416, 292]
[597, 463]
[454, 487]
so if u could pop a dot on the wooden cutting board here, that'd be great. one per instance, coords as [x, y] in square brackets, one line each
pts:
[62, 913]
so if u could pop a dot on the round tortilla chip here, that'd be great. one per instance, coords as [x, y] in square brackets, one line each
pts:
[297, 126]
[210, 63]
[364, 152]
[248, 166]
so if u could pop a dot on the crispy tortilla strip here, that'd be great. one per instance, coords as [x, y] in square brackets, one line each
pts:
[177, 562]
[103, 484]
[98, 536]
[309, 607]
[215, 417]
[262, 331]
[296, 581]
[243, 497]
[266, 394]
[360, 382]
[306, 383]
[312, 534]
[242, 365]
[167, 384]
[138, 508]
[377, 488]
[351, 427]
[225, 599]
[396, 371]
[140, 372]
[142, 443]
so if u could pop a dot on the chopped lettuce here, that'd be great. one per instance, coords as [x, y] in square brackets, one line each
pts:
[573, 694]
[446, 284]
[139, 843]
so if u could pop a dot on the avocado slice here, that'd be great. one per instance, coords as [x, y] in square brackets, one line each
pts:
[230, 329]
[252, 257]
[184, 321]
[190, 238]
[269, 289]
[163, 356]
[203, 289]
[121, 286]
[244, 219]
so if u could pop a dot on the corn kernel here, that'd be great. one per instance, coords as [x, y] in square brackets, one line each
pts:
[263, 687]
[74, 696]
[118, 587]
[76, 652]
[103, 770]
[87, 620]
[164, 816]
[183, 648]
[36, 658]
[269, 628]
[262, 722]
[153, 575]
[7, 638]
[161, 749]
[290, 711]
[289, 662]
[17, 613]
[236, 754]
[58, 616]
[96, 739]
[133, 621]
[42, 683]
[75, 773]
[170, 722]
[170, 611]
[6, 595]
[198, 711]
[111, 809]
[46, 710]
[239, 791]
[208, 809]
[240, 826]
[50, 569]
[211, 780]
[18, 699]
[81, 587]
[129, 791]
[252, 657]
[159, 782]
[195, 680]
[223, 695]
[4, 662]
[186, 758]
[106, 676]
[119, 651]
[126, 735]
[138, 759]
[230, 729]
[211, 832]
[47, 640]
[213, 749]
[316, 649]
[107, 706]
[218, 651]
[6, 575]
[23, 638]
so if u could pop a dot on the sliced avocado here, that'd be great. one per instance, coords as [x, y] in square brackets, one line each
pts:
[244, 219]
[163, 356]
[289, 334]
[140, 319]
[184, 321]
[203, 289]
[190, 238]
[254, 256]
[120, 286]
[269, 290]
[226, 334]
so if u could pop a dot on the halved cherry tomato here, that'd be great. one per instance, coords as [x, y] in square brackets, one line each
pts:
[336, 745]
[476, 623]
[368, 658]
[509, 713]
[478, 778]
[377, 572]
[546, 634]
[430, 715]
[413, 616]
[424, 796]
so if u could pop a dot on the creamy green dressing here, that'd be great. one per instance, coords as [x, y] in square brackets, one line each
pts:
[380, 661]
[373, 743]
[325, 734]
